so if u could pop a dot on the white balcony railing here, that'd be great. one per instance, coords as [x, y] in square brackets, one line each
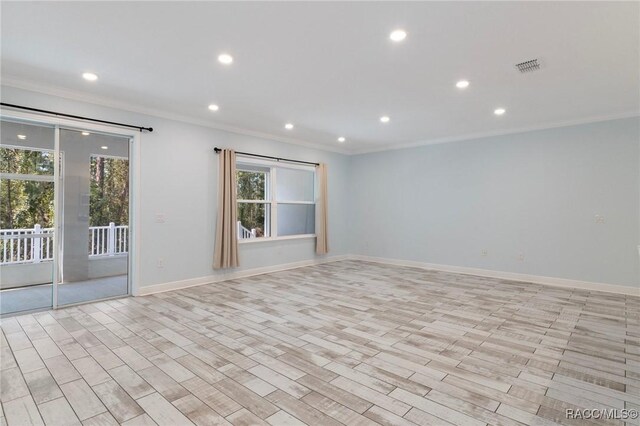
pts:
[35, 245]
[244, 233]
[26, 245]
[108, 240]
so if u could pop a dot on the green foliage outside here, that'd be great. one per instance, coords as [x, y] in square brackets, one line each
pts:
[251, 186]
[109, 200]
[24, 203]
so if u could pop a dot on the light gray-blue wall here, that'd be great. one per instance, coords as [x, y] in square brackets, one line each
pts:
[179, 179]
[534, 194]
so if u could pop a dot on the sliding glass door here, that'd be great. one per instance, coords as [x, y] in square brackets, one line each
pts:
[94, 213]
[64, 216]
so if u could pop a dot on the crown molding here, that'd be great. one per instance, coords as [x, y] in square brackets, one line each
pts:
[480, 135]
[156, 112]
[160, 113]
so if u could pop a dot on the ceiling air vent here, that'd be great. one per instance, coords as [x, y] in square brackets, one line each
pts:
[528, 66]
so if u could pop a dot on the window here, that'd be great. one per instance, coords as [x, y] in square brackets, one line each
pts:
[108, 206]
[26, 191]
[26, 188]
[109, 191]
[274, 200]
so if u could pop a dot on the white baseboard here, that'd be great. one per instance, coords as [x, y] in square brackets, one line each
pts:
[513, 276]
[232, 275]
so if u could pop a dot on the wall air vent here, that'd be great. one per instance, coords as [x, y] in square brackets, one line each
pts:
[528, 66]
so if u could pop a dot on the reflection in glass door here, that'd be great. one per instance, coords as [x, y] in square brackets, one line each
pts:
[94, 213]
[27, 217]
[64, 216]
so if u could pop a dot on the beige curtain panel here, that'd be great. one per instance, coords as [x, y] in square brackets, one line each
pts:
[226, 250]
[322, 212]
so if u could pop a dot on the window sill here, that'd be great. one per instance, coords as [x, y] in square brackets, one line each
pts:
[264, 240]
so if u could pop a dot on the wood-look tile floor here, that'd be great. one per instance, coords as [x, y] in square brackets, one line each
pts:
[349, 343]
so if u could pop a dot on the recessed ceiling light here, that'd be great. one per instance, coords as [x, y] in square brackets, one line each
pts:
[462, 84]
[225, 58]
[214, 107]
[22, 137]
[341, 139]
[288, 126]
[499, 111]
[398, 35]
[85, 133]
[104, 147]
[89, 76]
[384, 119]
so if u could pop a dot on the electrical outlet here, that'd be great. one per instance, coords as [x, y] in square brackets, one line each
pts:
[160, 263]
[521, 257]
[484, 253]
[599, 218]
[160, 218]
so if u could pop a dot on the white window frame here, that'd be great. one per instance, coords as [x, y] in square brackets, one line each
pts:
[265, 201]
[270, 188]
[28, 177]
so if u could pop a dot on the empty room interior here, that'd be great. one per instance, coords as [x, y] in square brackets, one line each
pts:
[319, 213]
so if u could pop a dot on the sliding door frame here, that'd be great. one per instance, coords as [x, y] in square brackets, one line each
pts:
[59, 123]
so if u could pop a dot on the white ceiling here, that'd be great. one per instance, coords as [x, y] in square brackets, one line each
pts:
[330, 67]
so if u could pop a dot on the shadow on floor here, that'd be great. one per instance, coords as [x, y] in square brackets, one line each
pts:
[40, 296]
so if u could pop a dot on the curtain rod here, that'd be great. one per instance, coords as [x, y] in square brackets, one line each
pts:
[217, 151]
[77, 117]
